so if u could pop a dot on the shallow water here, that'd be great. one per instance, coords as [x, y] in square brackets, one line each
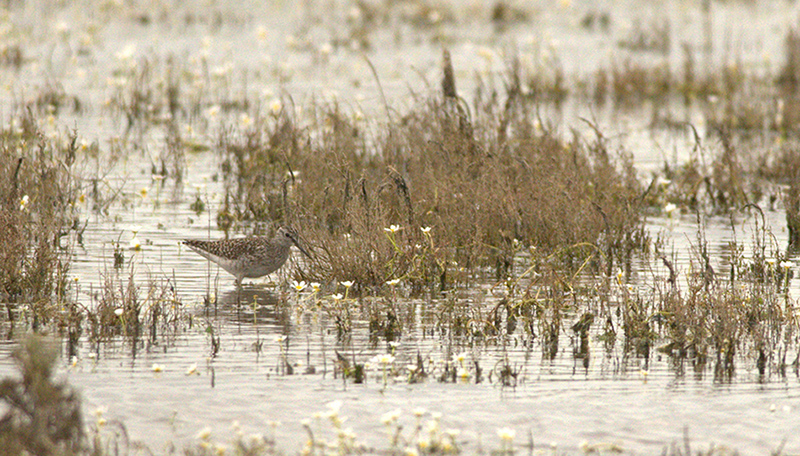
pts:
[641, 406]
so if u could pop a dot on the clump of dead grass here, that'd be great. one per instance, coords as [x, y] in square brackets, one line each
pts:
[36, 216]
[142, 315]
[782, 167]
[745, 314]
[484, 183]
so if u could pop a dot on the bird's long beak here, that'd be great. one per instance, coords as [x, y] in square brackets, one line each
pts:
[300, 247]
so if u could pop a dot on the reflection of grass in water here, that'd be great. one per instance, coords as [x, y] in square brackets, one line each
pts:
[43, 417]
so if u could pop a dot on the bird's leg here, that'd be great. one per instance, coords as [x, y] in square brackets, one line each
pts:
[238, 292]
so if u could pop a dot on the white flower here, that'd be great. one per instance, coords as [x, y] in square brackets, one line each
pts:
[347, 435]
[23, 204]
[506, 434]
[432, 426]
[204, 433]
[274, 424]
[212, 112]
[119, 311]
[275, 107]
[256, 439]
[192, 369]
[669, 208]
[786, 264]
[245, 121]
[392, 229]
[279, 339]
[157, 367]
[135, 244]
[462, 373]
[390, 417]
[425, 229]
[325, 48]
[392, 282]
[384, 359]
[347, 283]
[299, 286]
[337, 296]
[127, 53]
[262, 33]
[334, 406]
[314, 286]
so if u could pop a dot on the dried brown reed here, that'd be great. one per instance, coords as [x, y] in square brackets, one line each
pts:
[652, 37]
[783, 168]
[141, 314]
[36, 215]
[717, 179]
[484, 184]
[39, 222]
[632, 83]
[746, 317]
[12, 55]
[789, 75]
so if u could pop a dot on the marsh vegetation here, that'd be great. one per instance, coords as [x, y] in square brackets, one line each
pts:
[461, 234]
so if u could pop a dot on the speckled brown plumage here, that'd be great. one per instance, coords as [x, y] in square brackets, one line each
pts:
[249, 257]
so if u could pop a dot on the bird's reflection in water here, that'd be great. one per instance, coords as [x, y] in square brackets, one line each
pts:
[257, 313]
[255, 306]
[247, 296]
